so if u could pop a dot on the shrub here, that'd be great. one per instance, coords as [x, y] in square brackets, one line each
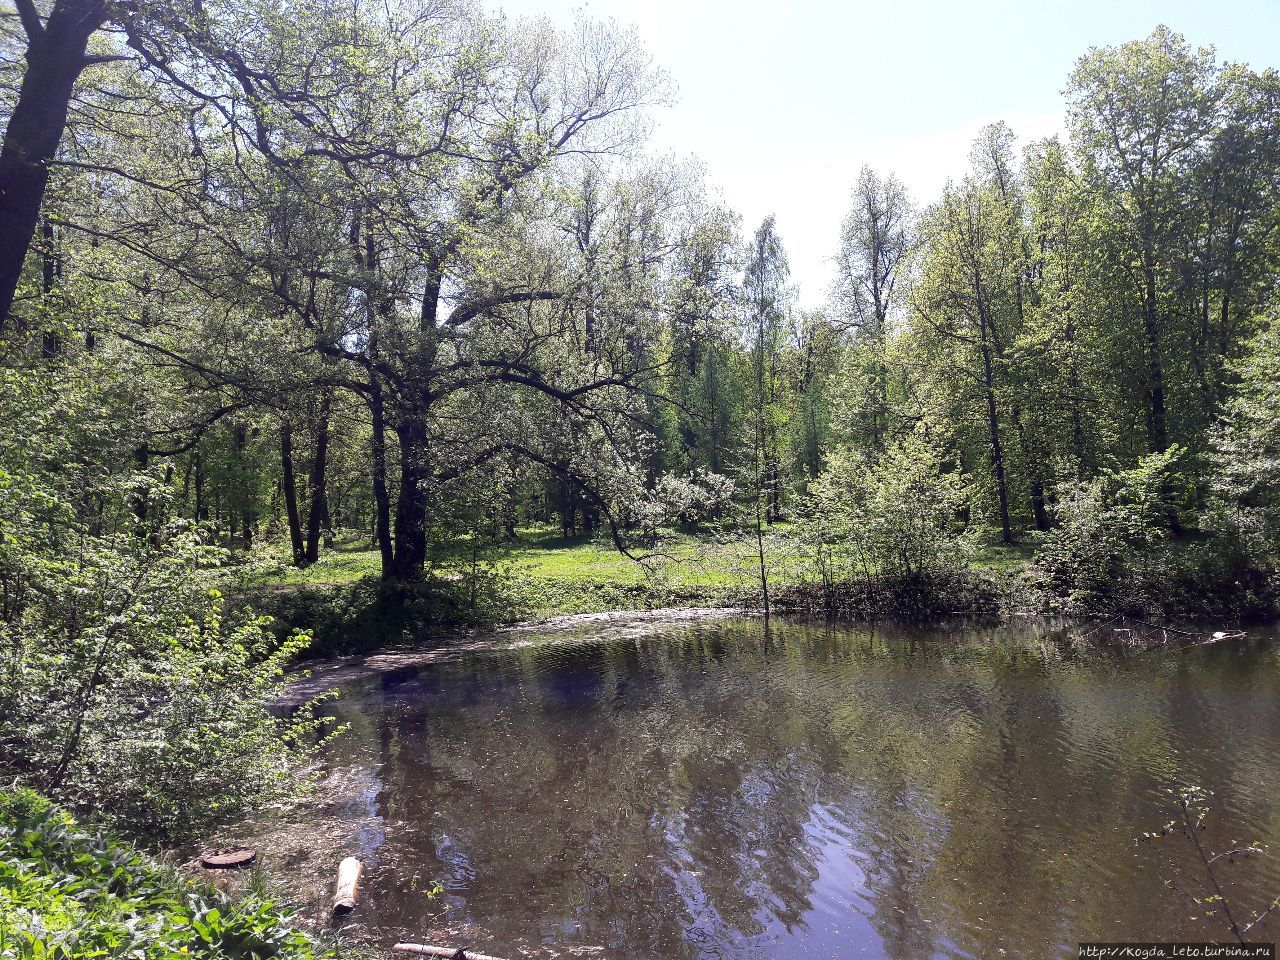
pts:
[125, 687]
[895, 518]
[371, 613]
[684, 501]
[1126, 543]
[1105, 546]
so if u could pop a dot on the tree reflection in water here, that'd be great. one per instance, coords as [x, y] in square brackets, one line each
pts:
[710, 791]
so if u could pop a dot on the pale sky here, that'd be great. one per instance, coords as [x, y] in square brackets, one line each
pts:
[784, 102]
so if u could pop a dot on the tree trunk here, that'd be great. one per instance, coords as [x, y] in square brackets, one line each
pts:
[382, 502]
[410, 541]
[200, 507]
[774, 482]
[568, 506]
[142, 457]
[240, 437]
[318, 508]
[51, 345]
[290, 491]
[763, 569]
[1034, 464]
[1076, 388]
[55, 56]
[997, 451]
[1157, 426]
[1038, 511]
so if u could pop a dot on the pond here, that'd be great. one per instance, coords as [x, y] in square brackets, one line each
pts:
[707, 788]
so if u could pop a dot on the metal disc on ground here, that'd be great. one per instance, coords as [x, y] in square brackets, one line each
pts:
[228, 858]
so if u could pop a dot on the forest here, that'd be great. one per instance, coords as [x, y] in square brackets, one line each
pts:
[403, 287]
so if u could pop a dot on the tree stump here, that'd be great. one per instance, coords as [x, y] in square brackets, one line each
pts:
[228, 858]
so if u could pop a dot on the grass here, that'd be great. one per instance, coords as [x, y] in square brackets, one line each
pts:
[541, 553]
[1005, 558]
[71, 892]
[723, 560]
[538, 575]
[542, 574]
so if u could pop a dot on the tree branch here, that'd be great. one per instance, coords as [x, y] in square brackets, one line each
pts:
[30, 19]
[95, 58]
[469, 311]
[589, 489]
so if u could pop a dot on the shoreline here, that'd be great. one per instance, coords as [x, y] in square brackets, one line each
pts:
[329, 672]
[335, 672]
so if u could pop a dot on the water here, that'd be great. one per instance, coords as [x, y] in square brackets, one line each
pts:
[704, 789]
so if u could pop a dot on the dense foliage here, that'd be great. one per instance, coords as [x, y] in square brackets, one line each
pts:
[894, 516]
[280, 275]
[410, 273]
[124, 684]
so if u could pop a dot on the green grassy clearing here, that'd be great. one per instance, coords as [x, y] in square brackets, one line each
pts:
[542, 573]
[541, 552]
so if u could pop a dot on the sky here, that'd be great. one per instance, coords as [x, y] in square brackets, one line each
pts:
[784, 102]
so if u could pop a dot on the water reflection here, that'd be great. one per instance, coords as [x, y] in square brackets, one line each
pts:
[708, 791]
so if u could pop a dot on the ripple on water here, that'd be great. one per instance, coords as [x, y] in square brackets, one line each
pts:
[694, 788]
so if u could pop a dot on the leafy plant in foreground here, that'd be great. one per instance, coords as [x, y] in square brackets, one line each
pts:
[70, 892]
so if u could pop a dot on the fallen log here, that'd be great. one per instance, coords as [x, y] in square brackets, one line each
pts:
[448, 952]
[348, 889]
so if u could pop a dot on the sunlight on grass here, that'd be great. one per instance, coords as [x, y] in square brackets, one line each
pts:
[552, 575]
[540, 552]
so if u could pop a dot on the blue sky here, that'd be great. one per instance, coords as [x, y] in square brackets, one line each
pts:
[784, 102]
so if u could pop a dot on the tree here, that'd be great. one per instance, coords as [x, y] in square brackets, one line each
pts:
[396, 215]
[875, 243]
[1140, 115]
[56, 54]
[811, 365]
[970, 301]
[765, 305]
[705, 396]
[1071, 401]
[765, 295]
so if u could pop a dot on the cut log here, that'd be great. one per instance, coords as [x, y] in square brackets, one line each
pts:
[228, 858]
[348, 888]
[447, 952]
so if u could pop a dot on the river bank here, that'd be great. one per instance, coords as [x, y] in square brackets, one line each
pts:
[583, 628]
[540, 577]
